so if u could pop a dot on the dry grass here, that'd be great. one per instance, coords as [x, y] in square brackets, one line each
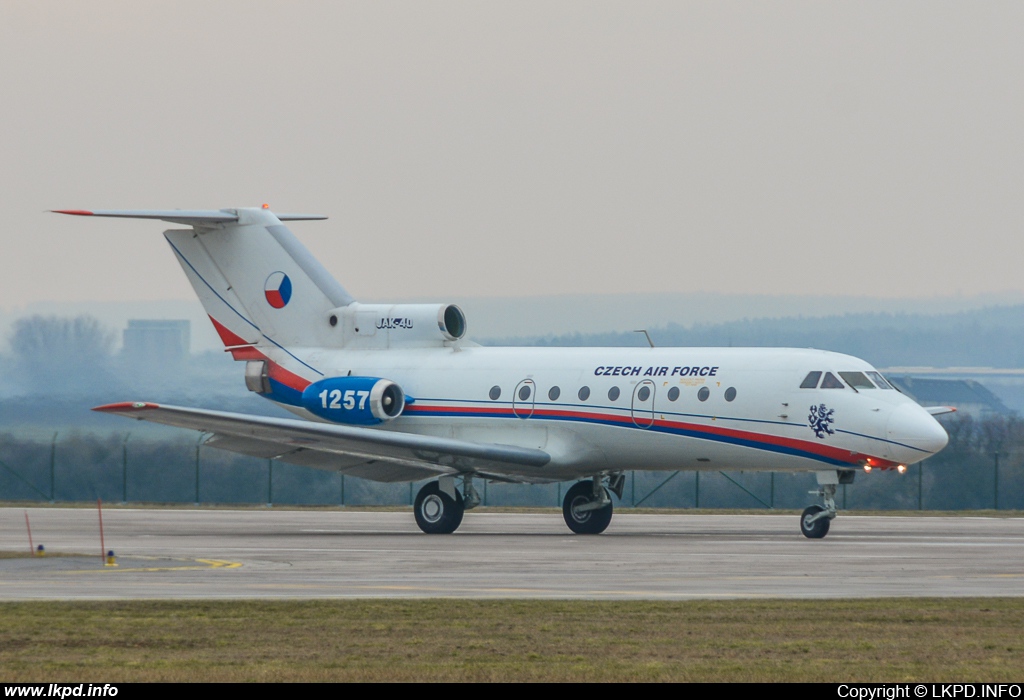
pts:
[449, 640]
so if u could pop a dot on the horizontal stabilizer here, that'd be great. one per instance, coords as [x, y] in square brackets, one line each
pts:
[340, 447]
[190, 217]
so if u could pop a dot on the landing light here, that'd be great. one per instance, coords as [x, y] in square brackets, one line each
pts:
[867, 468]
[902, 468]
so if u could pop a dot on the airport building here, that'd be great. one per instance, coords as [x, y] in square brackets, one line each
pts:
[156, 342]
[968, 396]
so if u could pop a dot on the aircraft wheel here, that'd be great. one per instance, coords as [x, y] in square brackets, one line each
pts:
[817, 529]
[588, 522]
[436, 512]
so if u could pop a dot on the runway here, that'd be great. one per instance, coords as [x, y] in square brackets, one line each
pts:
[264, 553]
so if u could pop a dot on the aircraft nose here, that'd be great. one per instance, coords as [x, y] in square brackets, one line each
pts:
[913, 426]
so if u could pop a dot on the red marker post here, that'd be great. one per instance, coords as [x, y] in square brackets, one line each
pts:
[103, 550]
[31, 549]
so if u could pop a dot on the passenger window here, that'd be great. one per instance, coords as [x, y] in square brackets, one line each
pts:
[857, 380]
[613, 393]
[730, 393]
[811, 380]
[524, 392]
[584, 393]
[880, 381]
[673, 393]
[644, 393]
[495, 393]
[704, 393]
[554, 392]
[831, 381]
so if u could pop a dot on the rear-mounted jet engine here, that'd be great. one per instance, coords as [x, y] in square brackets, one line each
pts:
[395, 325]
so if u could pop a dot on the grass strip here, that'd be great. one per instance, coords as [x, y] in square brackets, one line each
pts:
[874, 640]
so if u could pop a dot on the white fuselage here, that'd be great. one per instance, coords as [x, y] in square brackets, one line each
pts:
[703, 408]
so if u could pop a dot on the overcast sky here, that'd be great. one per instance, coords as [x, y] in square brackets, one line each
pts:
[502, 149]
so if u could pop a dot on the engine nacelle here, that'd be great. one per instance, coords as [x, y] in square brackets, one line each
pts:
[354, 400]
[395, 325]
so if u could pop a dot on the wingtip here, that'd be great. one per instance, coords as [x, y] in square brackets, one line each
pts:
[72, 212]
[125, 406]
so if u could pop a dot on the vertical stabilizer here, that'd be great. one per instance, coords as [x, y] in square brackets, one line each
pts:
[257, 282]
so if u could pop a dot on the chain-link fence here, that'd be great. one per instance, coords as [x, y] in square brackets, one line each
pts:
[982, 468]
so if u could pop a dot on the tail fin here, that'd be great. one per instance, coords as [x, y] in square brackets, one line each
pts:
[260, 286]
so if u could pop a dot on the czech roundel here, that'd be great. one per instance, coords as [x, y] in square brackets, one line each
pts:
[278, 289]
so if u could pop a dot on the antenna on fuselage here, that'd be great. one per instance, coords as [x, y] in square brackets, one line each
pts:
[646, 335]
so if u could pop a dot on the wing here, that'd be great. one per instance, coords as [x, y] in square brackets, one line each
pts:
[940, 410]
[380, 455]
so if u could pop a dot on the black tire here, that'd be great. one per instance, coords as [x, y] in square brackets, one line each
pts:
[436, 512]
[591, 522]
[817, 529]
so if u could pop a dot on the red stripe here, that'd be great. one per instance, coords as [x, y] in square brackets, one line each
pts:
[125, 406]
[247, 353]
[73, 212]
[275, 371]
[283, 376]
[836, 453]
[227, 336]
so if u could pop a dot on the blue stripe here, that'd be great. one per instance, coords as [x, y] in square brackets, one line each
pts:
[282, 393]
[685, 432]
[227, 304]
[626, 412]
[891, 442]
[622, 409]
[210, 287]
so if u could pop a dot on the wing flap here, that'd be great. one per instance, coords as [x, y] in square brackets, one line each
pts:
[339, 447]
[305, 457]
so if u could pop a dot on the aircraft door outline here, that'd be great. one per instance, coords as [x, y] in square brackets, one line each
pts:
[523, 398]
[642, 405]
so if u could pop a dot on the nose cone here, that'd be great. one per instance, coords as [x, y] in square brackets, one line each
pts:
[916, 433]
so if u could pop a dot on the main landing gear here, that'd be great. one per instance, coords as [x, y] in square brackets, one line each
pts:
[439, 506]
[816, 520]
[587, 507]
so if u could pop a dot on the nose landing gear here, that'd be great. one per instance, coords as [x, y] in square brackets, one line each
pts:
[816, 520]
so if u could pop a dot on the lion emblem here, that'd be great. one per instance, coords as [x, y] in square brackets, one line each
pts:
[820, 419]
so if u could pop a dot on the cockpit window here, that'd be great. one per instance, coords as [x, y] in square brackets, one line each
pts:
[880, 380]
[857, 380]
[831, 381]
[811, 380]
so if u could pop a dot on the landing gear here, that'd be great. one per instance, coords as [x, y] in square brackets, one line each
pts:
[438, 510]
[816, 520]
[587, 507]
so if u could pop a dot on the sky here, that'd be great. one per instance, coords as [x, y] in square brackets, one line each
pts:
[523, 148]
